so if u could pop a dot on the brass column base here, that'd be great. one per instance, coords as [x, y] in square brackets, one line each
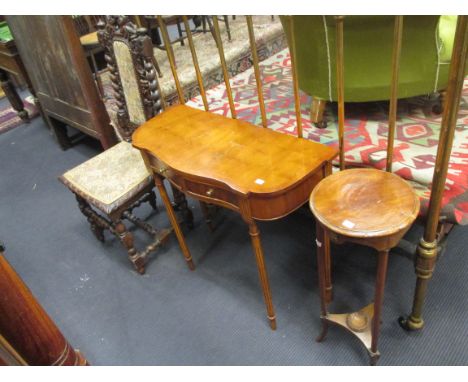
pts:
[410, 323]
[358, 323]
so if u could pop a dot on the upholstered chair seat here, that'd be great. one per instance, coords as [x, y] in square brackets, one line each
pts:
[110, 179]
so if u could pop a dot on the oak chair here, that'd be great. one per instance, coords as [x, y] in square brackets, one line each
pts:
[228, 162]
[117, 181]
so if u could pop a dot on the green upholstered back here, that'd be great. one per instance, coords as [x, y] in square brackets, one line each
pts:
[5, 33]
[368, 42]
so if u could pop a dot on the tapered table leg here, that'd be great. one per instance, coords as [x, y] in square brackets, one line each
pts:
[321, 254]
[378, 302]
[173, 219]
[257, 247]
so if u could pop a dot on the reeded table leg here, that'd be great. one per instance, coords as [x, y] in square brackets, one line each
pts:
[172, 217]
[257, 247]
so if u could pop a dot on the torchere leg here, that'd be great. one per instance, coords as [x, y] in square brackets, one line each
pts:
[13, 96]
[257, 247]
[322, 276]
[172, 217]
[378, 301]
[327, 270]
[317, 109]
[424, 267]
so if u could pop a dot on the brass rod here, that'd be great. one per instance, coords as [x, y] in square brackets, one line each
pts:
[167, 44]
[253, 48]
[188, 32]
[340, 86]
[397, 36]
[219, 43]
[292, 53]
[447, 130]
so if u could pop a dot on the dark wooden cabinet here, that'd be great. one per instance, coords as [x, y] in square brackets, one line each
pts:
[59, 72]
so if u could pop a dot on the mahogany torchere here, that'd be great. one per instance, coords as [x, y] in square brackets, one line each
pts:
[368, 207]
[27, 334]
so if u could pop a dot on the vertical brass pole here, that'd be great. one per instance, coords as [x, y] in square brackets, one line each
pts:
[219, 43]
[340, 86]
[427, 249]
[167, 44]
[297, 98]
[397, 35]
[188, 32]
[253, 48]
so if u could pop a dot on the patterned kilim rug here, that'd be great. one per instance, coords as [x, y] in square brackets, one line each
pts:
[365, 131]
[9, 118]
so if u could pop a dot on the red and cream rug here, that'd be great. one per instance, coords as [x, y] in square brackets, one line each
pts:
[9, 118]
[366, 131]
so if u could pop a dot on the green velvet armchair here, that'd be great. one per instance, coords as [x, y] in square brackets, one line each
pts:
[368, 40]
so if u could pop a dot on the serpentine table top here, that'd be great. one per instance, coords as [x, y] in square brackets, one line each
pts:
[243, 159]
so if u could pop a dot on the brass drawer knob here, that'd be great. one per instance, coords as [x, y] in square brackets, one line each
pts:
[210, 192]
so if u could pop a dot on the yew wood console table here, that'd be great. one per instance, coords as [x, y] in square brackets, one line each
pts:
[262, 174]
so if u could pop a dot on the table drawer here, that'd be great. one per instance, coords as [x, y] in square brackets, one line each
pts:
[211, 192]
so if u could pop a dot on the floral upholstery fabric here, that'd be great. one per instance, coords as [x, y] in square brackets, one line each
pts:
[129, 80]
[109, 179]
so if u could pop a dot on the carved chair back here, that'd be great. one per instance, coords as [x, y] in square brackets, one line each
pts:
[129, 57]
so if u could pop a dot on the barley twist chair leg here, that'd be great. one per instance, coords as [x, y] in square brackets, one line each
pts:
[152, 200]
[97, 224]
[126, 238]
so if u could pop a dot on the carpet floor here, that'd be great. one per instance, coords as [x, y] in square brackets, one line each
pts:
[214, 315]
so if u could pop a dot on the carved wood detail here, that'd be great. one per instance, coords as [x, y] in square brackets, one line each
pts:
[121, 28]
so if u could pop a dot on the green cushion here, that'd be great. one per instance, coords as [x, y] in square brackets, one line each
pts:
[368, 43]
